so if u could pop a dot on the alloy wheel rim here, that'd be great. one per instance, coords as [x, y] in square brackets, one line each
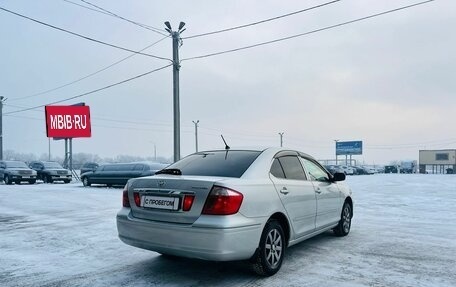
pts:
[273, 248]
[346, 219]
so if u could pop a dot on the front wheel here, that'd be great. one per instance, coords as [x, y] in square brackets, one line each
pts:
[343, 228]
[47, 179]
[7, 179]
[269, 255]
[85, 181]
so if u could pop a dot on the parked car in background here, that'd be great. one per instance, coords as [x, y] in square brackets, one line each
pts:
[119, 173]
[333, 169]
[370, 170]
[89, 166]
[16, 171]
[348, 170]
[380, 169]
[226, 205]
[390, 169]
[50, 171]
[359, 170]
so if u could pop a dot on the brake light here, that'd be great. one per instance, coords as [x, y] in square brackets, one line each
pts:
[188, 202]
[222, 201]
[125, 201]
[137, 198]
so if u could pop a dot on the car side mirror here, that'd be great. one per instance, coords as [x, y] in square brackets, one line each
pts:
[338, 176]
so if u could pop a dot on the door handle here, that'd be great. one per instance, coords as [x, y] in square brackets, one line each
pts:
[318, 190]
[284, 190]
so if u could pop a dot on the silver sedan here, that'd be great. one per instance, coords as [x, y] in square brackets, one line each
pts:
[222, 205]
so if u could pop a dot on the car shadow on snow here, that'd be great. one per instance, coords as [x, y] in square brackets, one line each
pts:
[170, 270]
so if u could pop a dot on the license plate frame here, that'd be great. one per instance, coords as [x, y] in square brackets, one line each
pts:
[171, 203]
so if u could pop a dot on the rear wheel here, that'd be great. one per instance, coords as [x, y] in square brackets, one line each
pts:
[7, 179]
[269, 255]
[343, 228]
[85, 181]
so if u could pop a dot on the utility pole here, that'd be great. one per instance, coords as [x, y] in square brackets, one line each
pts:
[49, 149]
[336, 149]
[155, 152]
[281, 138]
[2, 100]
[196, 134]
[176, 67]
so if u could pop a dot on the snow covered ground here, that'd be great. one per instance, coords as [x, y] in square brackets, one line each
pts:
[403, 234]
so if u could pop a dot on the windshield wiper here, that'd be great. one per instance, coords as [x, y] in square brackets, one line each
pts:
[173, 171]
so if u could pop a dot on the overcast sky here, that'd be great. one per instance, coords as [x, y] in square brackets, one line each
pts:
[388, 81]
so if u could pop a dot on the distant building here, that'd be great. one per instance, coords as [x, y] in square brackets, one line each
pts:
[438, 161]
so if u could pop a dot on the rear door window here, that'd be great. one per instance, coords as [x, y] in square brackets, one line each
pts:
[292, 168]
[138, 167]
[276, 169]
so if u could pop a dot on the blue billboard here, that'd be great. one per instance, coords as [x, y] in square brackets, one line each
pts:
[349, 148]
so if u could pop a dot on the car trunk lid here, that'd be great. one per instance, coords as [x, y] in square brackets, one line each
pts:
[161, 197]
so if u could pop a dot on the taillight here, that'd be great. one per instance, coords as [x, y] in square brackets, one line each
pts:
[188, 202]
[125, 201]
[222, 201]
[137, 198]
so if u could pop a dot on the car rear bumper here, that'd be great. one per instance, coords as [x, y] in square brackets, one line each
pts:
[193, 241]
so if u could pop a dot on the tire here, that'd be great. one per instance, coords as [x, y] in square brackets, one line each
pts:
[7, 179]
[343, 228]
[32, 181]
[271, 251]
[47, 179]
[85, 181]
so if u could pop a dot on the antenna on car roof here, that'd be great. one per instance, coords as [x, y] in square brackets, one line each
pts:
[227, 147]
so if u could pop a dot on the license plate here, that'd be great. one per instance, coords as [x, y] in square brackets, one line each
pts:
[160, 202]
[26, 177]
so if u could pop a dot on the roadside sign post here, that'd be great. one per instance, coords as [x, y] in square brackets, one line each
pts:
[68, 122]
[348, 148]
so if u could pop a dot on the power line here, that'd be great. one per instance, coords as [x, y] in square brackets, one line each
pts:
[261, 21]
[91, 92]
[87, 76]
[308, 33]
[89, 8]
[82, 36]
[109, 13]
[441, 142]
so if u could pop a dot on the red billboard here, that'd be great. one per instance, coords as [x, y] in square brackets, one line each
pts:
[68, 122]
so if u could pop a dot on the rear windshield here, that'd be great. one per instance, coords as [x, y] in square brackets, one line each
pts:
[217, 163]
